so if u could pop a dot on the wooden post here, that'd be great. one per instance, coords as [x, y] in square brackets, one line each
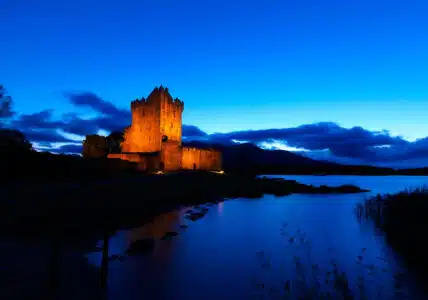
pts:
[104, 264]
[54, 264]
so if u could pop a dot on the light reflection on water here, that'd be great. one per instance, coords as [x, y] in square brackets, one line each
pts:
[220, 207]
[216, 256]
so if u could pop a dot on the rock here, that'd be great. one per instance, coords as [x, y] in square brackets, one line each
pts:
[350, 189]
[195, 216]
[141, 246]
[204, 209]
[168, 235]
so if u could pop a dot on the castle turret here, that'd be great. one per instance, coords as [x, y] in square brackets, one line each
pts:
[154, 138]
[154, 119]
[170, 116]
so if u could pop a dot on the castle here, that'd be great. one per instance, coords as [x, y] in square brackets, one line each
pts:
[154, 138]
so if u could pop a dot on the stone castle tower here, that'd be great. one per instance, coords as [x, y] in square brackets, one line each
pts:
[154, 138]
[155, 120]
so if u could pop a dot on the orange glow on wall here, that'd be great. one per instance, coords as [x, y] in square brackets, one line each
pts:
[156, 129]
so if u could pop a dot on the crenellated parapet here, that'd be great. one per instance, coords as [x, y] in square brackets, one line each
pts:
[138, 102]
[157, 128]
[159, 95]
[180, 104]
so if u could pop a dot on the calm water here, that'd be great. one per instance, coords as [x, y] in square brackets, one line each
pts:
[228, 254]
[243, 243]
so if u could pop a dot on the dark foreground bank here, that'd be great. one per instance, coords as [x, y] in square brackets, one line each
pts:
[402, 217]
[74, 208]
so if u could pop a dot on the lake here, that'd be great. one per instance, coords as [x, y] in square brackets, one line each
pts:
[241, 249]
[245, 249]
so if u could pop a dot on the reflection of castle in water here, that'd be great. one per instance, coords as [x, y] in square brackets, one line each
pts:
[160, 225]
[220, 207]
[157, 227]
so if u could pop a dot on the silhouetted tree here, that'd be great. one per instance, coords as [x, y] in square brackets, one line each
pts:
[95, 146]
[5, 106]
[14, 141]
[114, 141]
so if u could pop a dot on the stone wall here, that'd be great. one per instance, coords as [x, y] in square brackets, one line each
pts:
[132, 157]
[145, 161]
[144, 133]
[154, 138]
[153, 118]
[170, 116]
[171, 155]
[94, 146]
[210, 160]
[201, 159]
[190, 158]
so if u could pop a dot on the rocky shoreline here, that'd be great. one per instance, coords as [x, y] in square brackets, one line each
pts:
[73, 209]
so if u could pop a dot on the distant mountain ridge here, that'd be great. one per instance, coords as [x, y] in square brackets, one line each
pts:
[249, 158]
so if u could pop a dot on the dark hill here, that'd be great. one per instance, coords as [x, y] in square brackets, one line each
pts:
[248, 158]
[416, 171]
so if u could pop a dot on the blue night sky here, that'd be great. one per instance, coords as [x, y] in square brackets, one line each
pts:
[237, 65]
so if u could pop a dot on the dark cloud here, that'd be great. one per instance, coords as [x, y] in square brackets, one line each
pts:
[69, 149]
[356, 142]
[45, 136]
[192, 131]
[110, 118]
[325, 140]
[418, 148]
[317, 136]
[409, 151]
[76, 125]
[95, 103]
[39, 120]
[42, 128]
[112, 123]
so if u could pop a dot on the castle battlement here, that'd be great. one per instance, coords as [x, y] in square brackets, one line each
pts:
[157, 96]
[157, 128]
[179, 103]
[137, 103]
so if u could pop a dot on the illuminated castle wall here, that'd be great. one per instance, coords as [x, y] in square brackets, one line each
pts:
[154, 137]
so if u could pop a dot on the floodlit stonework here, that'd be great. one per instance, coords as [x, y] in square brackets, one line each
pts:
[153, 140]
